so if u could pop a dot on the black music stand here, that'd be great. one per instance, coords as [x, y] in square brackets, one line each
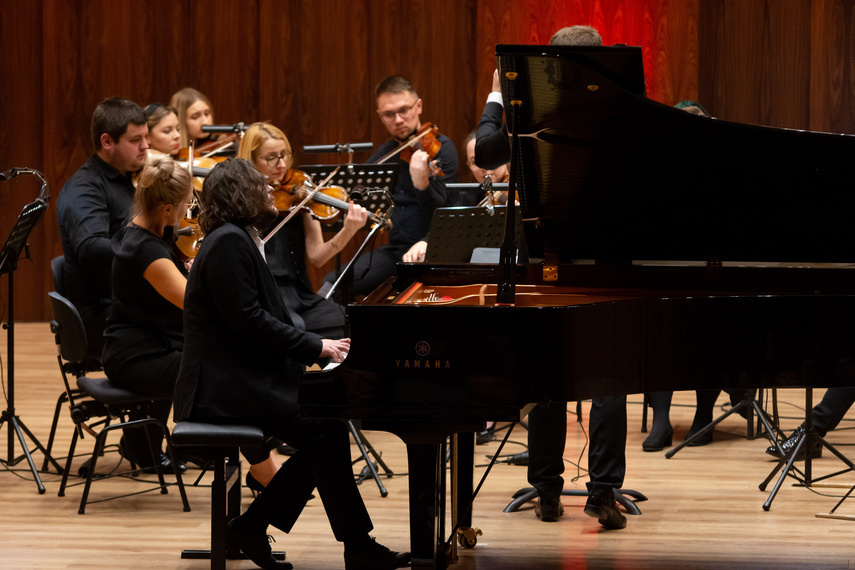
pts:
[15, 243]
[455, 233]
[369, 184]
[372, 185]
[807, 441]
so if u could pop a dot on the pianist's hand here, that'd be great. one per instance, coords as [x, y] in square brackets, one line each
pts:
[335, 350]
[497, 85]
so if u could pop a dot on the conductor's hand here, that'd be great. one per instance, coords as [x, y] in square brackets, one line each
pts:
[415, 253]
[497, 85]
[356, 218]
[335, 350]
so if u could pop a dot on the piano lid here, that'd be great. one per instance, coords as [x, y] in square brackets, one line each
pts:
[607, 174]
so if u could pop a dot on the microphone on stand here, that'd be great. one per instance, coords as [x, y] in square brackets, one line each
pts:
[236, 128]
[44, 195]
[338, 147]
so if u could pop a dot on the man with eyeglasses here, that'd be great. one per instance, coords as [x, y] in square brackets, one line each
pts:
[417, 194]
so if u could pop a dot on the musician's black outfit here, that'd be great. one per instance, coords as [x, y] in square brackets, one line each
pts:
[548, 421]
[411, 217]
[143, 339]
[240, 365]
[93, 205]
[286, 257]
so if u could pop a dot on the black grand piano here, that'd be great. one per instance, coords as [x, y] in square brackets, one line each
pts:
[668, 252]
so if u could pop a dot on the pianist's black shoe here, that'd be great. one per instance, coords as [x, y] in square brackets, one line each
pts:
[604, 509]
[790, 443]
[705, 439]
[549, 509]
[373, 556]
[252, 540]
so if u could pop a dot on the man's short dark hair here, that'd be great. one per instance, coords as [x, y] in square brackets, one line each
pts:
[112, 116]
[234, 191]
[394, 84]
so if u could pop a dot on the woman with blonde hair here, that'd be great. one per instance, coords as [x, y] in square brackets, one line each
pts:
[143, 338]
[269, 150]
[194, 112]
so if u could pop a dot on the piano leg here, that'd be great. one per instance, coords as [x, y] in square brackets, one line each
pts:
[426, 465]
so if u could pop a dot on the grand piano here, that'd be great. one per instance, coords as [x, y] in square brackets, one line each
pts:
[667, 251]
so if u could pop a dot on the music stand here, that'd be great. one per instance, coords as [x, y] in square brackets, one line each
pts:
[15, 243]
[456, 232]
[368, 184]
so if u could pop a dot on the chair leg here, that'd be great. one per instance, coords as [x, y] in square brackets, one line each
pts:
[99, 448]
[68, 462]
[61, 400]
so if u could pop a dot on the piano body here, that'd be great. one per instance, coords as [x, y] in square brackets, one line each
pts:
[668, 252]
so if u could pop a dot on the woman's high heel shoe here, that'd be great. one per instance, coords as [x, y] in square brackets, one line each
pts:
[658, 441]
[254, 485]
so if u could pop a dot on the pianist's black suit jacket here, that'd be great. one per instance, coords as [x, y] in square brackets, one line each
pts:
[492, 145]
[240, 346]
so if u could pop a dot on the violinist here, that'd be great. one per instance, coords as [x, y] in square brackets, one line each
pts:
[94, 204]
[195, 111]
[417, 194]
[143, 339]
[164, 136]
[417, 252]
[269, 150]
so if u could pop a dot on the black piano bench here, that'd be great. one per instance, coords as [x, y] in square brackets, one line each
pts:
[221, 445]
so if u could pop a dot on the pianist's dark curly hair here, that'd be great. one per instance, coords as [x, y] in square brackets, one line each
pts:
[234, 191]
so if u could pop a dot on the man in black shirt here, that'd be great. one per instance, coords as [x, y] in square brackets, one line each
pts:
[94, 204]
[418, 192]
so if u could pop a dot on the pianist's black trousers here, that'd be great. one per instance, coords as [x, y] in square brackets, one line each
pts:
[547, 431]
[322, 461]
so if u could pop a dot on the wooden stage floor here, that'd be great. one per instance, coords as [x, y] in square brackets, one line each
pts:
[704, 508]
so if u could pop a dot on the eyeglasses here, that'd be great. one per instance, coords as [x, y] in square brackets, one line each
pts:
[273, 160]
[403, 111]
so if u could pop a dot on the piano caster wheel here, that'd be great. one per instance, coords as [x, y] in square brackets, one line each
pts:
[468, 537]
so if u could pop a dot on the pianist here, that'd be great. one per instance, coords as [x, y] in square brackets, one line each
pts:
[548, 421]
[239, 365]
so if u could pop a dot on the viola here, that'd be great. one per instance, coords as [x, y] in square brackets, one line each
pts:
[426, 139]
[327, 203]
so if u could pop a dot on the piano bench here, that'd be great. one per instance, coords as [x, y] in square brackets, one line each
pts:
[219, 444]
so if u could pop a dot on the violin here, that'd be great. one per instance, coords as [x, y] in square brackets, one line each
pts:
[495, 197]
[211, 147]
[187, 238]
[426, 139]
[325, 206]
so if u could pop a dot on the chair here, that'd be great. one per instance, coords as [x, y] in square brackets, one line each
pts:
[221, 445]
[57, 268]
[97, 398]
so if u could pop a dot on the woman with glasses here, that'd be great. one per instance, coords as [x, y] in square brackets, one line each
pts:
[267, 147]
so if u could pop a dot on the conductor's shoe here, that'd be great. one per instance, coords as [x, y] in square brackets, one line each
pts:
[549, 509]
[253, 541]
[604, 509]
[790, 443]
[374, 556]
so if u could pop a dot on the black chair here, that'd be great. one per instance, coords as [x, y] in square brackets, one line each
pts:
[220, 444]
[98, 399]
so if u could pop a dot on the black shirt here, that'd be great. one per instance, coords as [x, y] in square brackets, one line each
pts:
[414, 208]
[143, 322]
[92, 206]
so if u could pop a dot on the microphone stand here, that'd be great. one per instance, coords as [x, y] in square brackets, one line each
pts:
[387, 215]
[15, 243]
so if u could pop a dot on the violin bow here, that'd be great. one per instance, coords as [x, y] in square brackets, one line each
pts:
[300, 205]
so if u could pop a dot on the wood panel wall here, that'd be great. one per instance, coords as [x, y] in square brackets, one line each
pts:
[310, 66]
